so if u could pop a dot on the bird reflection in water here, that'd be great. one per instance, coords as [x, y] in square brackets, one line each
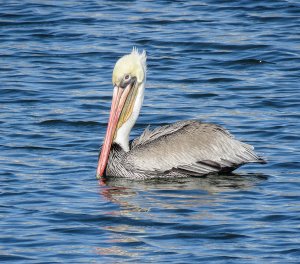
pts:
[116, 189]
[145, 206]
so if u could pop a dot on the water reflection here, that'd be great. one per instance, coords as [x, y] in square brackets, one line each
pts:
[130, 194]
[116, 188]
[162, 210]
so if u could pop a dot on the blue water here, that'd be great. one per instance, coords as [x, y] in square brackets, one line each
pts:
[234, 63]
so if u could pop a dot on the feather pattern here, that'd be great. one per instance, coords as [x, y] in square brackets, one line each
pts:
[181, 149]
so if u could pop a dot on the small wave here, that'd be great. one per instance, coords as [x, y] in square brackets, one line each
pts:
[60, 122]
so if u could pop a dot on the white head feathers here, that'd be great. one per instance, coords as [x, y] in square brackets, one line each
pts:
[133, 64]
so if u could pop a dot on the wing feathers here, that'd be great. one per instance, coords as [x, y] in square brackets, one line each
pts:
[189, 147]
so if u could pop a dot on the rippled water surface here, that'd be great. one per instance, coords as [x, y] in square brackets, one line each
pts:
[234, 63]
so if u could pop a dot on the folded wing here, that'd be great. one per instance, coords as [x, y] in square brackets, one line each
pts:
[190, 147]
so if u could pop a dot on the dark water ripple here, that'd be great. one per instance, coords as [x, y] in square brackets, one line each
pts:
[232, 63]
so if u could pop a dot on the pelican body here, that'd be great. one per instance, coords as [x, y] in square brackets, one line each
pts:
[185, 148]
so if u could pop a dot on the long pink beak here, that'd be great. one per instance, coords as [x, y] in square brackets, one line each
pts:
[118, 101]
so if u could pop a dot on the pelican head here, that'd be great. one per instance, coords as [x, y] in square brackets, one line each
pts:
[129, 77]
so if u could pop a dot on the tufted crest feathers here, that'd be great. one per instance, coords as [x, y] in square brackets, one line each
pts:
[133, 64]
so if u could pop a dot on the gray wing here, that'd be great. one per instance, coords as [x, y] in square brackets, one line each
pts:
[191, 147]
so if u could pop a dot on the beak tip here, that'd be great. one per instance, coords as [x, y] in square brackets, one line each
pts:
[100, 172]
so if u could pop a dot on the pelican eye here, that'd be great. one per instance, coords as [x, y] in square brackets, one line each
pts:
[125, 81]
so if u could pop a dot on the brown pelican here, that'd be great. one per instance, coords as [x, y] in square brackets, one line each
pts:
[185, 148]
